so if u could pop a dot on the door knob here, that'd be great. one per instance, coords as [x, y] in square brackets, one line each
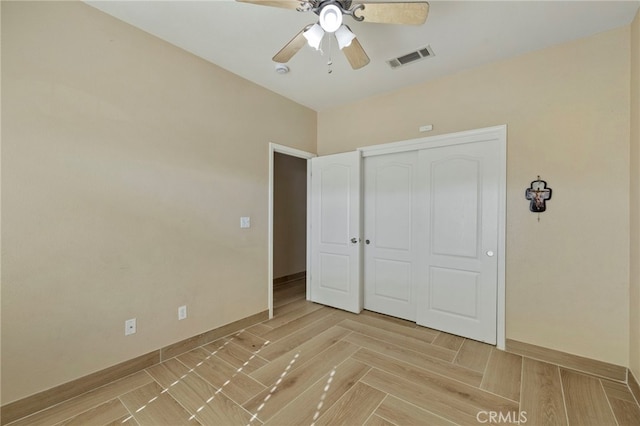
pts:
[490, 253]
[354, 240]
[367, 241]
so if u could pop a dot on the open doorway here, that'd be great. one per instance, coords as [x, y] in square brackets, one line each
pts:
[288, 242]
[289, 229]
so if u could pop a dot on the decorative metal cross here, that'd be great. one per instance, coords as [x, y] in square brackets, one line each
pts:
[538, 194]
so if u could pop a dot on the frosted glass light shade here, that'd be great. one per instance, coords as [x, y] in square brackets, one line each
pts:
[314, 36]
[344, 36]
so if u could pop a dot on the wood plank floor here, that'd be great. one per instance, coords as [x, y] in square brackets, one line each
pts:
[316, 365]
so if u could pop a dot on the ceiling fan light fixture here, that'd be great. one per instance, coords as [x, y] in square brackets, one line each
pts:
[330, 18]
[314, 36]
[344, 36]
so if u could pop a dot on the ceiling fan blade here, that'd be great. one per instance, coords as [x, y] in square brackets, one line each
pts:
[411, 13]
[291, 48]
[286, 4]
[356, 55]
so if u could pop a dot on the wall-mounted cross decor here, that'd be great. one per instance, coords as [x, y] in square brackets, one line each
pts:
[538, 194]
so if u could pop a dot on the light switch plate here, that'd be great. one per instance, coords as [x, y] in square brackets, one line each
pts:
[182, 312]
[245, 222]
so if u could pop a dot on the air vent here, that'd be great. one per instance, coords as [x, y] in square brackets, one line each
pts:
[416, 55]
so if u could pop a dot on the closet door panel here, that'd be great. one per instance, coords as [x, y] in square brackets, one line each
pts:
[459, 220]
[390, 243]
[392, 279]
[454, 207]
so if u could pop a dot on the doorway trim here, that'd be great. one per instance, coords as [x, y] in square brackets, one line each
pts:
[293, 152]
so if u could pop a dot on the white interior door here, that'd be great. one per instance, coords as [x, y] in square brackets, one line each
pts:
[336, 231]
[461, 188]
[391, 207]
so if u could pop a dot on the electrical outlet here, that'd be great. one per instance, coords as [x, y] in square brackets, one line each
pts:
[182, 312]
[129, 326]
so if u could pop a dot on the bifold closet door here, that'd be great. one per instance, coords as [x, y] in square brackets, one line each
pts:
[336, 231]
[460, 207]
[390, 252]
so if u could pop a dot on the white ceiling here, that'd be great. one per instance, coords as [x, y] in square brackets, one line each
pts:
[243, 38]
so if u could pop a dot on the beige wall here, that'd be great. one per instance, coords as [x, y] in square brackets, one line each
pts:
[634, 349]
[289, 215]
[126, 165]
[567, 111]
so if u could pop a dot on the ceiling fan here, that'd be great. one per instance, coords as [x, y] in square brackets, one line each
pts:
[331, 12]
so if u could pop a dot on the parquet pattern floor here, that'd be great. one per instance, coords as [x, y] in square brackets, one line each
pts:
[314, 365]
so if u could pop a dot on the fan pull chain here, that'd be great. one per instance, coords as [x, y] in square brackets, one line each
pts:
[329, 62]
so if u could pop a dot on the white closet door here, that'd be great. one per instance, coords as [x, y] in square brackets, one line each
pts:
[460, 210]
[335, 231]
[391, 206]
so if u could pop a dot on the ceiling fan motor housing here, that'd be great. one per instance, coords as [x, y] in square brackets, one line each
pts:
[343, 5]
